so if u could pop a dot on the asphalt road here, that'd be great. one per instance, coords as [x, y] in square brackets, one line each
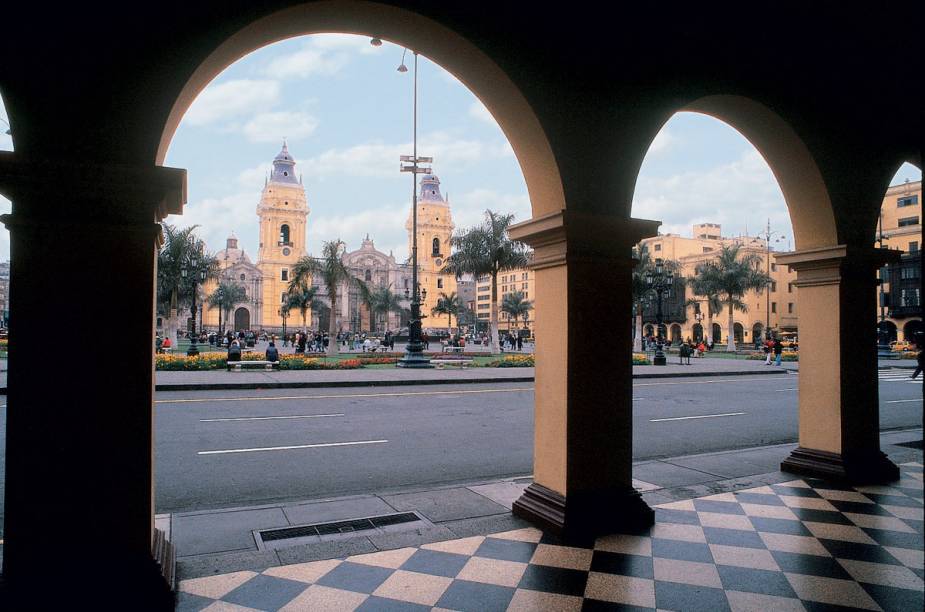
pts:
[235, 448]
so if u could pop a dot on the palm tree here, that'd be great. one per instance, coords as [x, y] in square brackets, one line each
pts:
[301, 296]
[332, 272]
[641, 289]
[731, 278]
[382, 300]
[224, 297]
[447, 305]
[486, 250]
[183, 264]
[516, 306]
[709, 295]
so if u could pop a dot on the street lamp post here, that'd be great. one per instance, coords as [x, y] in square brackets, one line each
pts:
[660, 282]
[284, 314]
[198, 276]
[698, 316]
[768, 234]
[414, 351]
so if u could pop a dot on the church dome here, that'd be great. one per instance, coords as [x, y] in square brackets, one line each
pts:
[231, 253]
[284, 167]
[430, 189]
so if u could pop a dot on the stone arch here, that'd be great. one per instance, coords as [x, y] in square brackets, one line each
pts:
[738, 332]
[435, 246]
[284, 233]
[794, 167]
[242, 318]
[912, 330]
[675, 333]
[717, 336]
[456, 54]
[697, 331]
[757, 331]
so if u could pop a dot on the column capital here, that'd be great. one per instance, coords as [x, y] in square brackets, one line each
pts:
[827, 265]
[564, 235]
[163, 188]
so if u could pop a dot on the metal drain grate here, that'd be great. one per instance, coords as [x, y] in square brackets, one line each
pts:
[319, 529]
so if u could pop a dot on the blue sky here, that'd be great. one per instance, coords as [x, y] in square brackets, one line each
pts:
[346, 113]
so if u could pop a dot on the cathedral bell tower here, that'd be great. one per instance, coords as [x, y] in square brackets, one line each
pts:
[435, 228]
[283, 212]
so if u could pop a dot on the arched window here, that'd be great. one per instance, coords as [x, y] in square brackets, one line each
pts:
[284, 234]
[436, 246]
[243, 277]
[368, 276]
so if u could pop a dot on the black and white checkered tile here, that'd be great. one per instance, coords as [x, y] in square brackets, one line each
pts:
[801, 545]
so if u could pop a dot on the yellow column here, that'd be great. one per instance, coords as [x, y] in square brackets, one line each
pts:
[583, 412]
[839, 430]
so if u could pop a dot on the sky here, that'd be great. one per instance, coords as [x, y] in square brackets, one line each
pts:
[346, 113]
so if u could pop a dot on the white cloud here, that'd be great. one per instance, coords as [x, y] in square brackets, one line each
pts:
[219, 217]
[271, 127]
[662, 142]
[253, 178]
[351, 42]
[469, 208]
[384, 224]
[305, 63]
[478, 111]
[381, 160]
[232, 99]
[738, 194]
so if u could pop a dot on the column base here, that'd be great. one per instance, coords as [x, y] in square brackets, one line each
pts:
[587, 514]
[860, 468]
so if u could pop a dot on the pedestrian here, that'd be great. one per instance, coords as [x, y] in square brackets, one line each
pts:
[234, 351]
[768, 345]
[778, 351]
[520, 342]
[272, 352]
[920, 359]
[166, 345]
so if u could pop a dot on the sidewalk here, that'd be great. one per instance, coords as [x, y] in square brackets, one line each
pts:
[306, 379]
[230, 540]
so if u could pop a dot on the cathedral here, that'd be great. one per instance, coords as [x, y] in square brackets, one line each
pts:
[283, 217]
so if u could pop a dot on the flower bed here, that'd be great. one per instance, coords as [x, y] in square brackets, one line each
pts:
[217, 361]
[640, 359]
[512, 361]
[785, 356]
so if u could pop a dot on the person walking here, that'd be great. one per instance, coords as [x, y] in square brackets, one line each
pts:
[768, 345]
[778, 351]
[920, 360]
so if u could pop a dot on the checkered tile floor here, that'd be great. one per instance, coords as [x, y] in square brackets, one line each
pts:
[801, 545]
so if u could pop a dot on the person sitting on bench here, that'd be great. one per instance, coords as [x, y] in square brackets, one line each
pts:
[272, 353]
[234, 351]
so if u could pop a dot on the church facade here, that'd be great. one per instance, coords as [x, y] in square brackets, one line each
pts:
[283, 217]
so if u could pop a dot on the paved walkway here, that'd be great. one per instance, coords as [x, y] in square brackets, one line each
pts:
[771, 543]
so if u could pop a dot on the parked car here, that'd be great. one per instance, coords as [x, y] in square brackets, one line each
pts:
[901, 346]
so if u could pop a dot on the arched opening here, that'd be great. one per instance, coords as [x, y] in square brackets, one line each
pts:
[242, 319]
[887, 331]
[698, 333]
[675, 334]
[912, 332]
[757, 333]
[717, 333]
[284, 235]
[526, 140]
[738, 331]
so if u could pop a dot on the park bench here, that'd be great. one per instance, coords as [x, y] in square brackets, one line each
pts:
[239, 365]
[442, 363]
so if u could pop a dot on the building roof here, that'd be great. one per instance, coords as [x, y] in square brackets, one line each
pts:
[284, 167]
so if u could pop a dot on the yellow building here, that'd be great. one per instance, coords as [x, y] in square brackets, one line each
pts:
[435, 228]
[900, 228]
[776, 307]
[509, 281]
[283, 216]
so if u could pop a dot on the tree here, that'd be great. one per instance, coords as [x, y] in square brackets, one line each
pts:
[447, 305]
[332, 272]
[730, 278]
[224, 297]
[641, 289]
[486, 250]
[381, 300]
[183, 264]
[516, 306]
[709, 295]
[301, 296]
